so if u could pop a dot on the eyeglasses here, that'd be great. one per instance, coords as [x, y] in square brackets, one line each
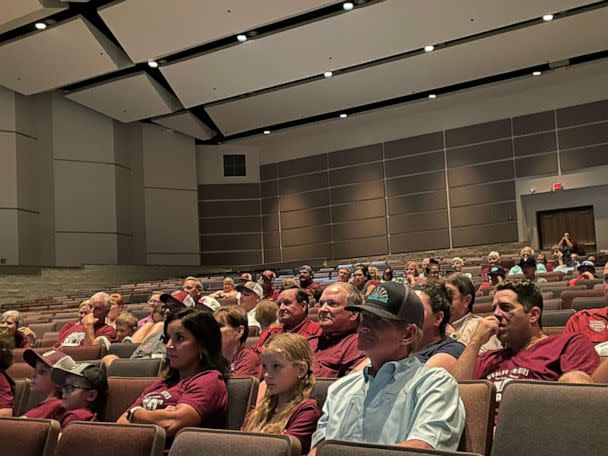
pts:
[69, 388]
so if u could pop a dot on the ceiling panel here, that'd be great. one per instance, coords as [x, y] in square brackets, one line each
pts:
[15, 13]
[149, 29]
[128, 98]
[187, 123]
[390, 27]
[60, 55]
[495, 54]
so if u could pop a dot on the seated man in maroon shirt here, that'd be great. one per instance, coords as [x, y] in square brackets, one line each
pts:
[91, 326]
[267, 283]
[293, 309]
[529, 354]
[306, 282]
[338, 354]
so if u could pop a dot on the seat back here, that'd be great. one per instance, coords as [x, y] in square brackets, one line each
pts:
[134, 368]
[549, 418]
[20, 370]
[569, 296]
[196, 442]
[556, 317]
[338, 448]
[20, 398]
[84, 352]
[122, 393]
[242, 394]
[28, 437]
[41, 328]
[589, 303]
[103, 439]
[552, 304]
[479, 399]
[319, 392]
[122, 350]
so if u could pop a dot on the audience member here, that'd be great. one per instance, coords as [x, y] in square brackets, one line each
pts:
[7, 385]
[117, 305]
[227, 292]
[362, 279]
[249, 295]
[567, 243]
[293, 310]
[306, 280]
[433, 271]
[463, 322]
[193, 393]
[593, 323]
[387, 274]
[529, 353]
[397, 399]
[84, 388]
[423, 265]
[458, 265]
[51, 406]
[374, 273]
[529, 267]
[542, 259]
[267, 283]
[153, 304]
[344, 274]
[568, 262]
[91, 326]
[493, 260]
[527, 257]
[245, 277]
[13, 325]
[194, 287]
[266, 313]
[435, 348]
[287, 407]
[412, 278]
[234, 330]
[496, 274]
[126, 325]
[337, 353]
[586, 271]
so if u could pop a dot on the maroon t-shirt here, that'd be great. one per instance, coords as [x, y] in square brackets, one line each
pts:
[7, 390]
[72, 334]
[311, 288]
[336, 357]
[205, 392]
[247, 362]
[82, 414]
[273, 295]
[593, 323]
[309, 329]
[546, 360]
[52, 409]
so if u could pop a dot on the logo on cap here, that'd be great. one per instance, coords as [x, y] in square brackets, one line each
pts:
[379, 294]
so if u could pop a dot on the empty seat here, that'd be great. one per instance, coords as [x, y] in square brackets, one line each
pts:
[196, 442]
[122, 393]
[479, 399]
[552, 304]
[588, 303]
[570, 295]
[28, 437]
[41, 328]
[242, 394]
[134, 368]
[122, 350]
[549, 418]
[339, 448]
[556, 317]
[103, 439]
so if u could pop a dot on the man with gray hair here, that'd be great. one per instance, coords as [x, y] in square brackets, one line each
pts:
[91, 326]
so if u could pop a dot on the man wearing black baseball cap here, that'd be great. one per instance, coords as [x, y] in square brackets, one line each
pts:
[397, 399]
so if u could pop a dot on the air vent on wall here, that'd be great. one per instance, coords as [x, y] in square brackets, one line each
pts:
[235, 165]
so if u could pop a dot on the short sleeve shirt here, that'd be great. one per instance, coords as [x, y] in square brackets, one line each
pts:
[247, 362]
[51, 409]
[336, 358]
[152, 347]
[82, 414]
[310, 330]
[593, 323]
[205, 392]
[7, 388]
[464, 329]
[447, 345]
[303, 423]
[74, 334]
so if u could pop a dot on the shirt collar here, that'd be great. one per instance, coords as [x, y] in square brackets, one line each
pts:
[390, 369]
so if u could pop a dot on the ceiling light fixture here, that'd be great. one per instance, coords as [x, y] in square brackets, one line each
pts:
[429, 48]
[548, 17]
[343, 116]
[40, 25]
[328, 74]
[536, 73]
[432, 96]
[241, 38]
[153, 64]
[266, 132]
[348, 6]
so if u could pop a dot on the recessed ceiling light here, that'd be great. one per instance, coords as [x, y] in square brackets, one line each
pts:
[266, 132]
[536, 73]
[153, 64]
[328, 74]
[548, 17]
[40, 25]
[432, 95]
[343, 116]
[429, 48]
[241, 37]
[348, 6]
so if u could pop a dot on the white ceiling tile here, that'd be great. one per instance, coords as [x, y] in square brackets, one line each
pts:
[128, 98]
[187, 123]
[148, 29]
[521, 48]
[16, 13]
[63, 54]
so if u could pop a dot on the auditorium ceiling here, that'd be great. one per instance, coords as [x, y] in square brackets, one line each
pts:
[219, 70]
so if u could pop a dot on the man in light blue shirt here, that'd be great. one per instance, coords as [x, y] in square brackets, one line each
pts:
[397, 400]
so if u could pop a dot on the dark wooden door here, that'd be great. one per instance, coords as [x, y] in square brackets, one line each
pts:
[578, 221]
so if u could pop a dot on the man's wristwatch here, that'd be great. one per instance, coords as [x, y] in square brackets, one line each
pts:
[131, 413]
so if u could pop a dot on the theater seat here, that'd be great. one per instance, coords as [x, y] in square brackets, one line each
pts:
[589, 303]
[556, 317]
[196, 442]
[339, 448]
[569, 296]
[134, 368]
[319, 392]
[28, 437]
[479, 399]
[102, 439]
[20, 397]
[242, 394]
[549, 418]
[122, 392]
[122, 350]
[20, 370]
[84, 352]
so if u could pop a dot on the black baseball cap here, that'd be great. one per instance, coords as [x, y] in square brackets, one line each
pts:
[393, 301]
[527, 262]
[497, 270]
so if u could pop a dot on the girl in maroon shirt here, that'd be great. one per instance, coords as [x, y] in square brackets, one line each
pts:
[287, 407]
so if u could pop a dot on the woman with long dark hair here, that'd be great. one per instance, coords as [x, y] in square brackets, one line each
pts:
[193, 392]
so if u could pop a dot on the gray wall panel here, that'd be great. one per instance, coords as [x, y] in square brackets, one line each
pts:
[484, 234]
[585, 135]
[535, 144]
[416, 184]
[272, 255]
[268, 172]
[580, 114]
[269, 188]
[231, 258]
[361, 247]
[230, 225]
[534, 123]
[482, 215]
[270, 205]
[295, 201]
[317, 234]
[407, 223]
[307, 252]
[357, 192]
[349, 157]
[272, 240]
[228, 191]
[478, 133]
[422, 240]
[417, 203]
[479, 174]
[478, 153]
[358, 210]
[303, 183]
[270, 222]
[482, 193]
[536, 166]
[305, 217]
[414, 145]
[231, 242]
[228, 208]
[302, 166]
[355, 174]
[413, 165]
[374, 227]
[586, 157]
